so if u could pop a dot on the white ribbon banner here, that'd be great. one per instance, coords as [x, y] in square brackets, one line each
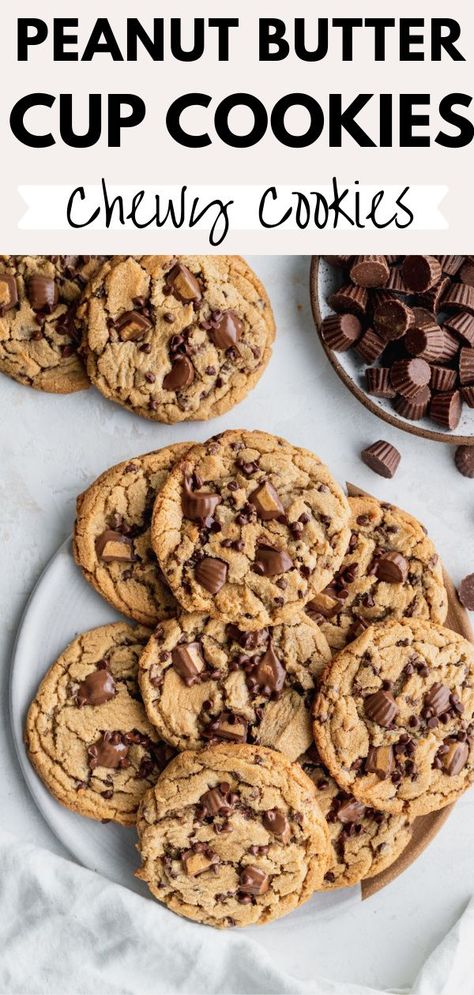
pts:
[220, 210]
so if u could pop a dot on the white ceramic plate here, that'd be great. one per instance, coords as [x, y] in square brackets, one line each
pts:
[329, 279]
[61, 606]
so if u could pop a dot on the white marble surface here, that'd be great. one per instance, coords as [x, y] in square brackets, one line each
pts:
[51, 448]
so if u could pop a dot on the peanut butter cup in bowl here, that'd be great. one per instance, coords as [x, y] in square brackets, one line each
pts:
[399, 332]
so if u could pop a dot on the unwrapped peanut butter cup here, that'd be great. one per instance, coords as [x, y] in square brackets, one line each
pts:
[461, 325]
[409, 375]
[459, 297]
[414, 407]
[426, 342]
[342, 262]
[450, 347]
[464, 460]
[396, 282]
[466, 367]
[382, 458]
[370, 271]
[341, 331]
[466, 274]
[450, 264]
[370, 346]
[392, 318]
[432, 299]
[420, 273]
[378, 382]
[442, 378]
[446, 409]
[350, 298]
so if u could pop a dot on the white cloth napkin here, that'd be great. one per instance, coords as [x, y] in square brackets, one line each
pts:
[67, 931]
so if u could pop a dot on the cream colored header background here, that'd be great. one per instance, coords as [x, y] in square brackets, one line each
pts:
[149, 157]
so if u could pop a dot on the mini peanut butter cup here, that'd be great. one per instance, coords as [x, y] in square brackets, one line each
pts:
[426, 342]
[414, 407]
[432, 299]
[43, 293]
[342, 262]
[468, 396]
[420, 273]
[396, 282]
[450, 264]
[461, 325]
[409, 375]
[370, 346]
[392, 318]
[370, 271]
[466, 367]
[180, 375]
[382, 458]
[350, 298]
[423, 317]
[459, 297]
[466, 596]
[341, 331]
[378, 382]
[464, 460]
[450, 347]
[466, 274]
[442, 379]
[446, 409]
[8, 293]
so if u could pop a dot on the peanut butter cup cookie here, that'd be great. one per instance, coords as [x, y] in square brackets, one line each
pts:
[176, 338]
[203, 680]
[38, 335]
[390, 570]
[249, 528]
[232, 836]
[393, 720]
[86, 731]
[112, 536]
[364, 840]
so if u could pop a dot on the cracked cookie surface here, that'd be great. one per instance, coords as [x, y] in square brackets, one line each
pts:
[393, 720]
[232, 836]
[38, 337]
[203, 681]
[364, 841]
[249, 527]
[111, 540]
[86, 731]
[390, 570]
[176, 338]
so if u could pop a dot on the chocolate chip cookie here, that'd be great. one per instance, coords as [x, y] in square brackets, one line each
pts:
[232, 836]
[249, 528]
[364, 840]
[38, 335]
[393, 720]
[86, 731]
[112, 536]
[176, 338]
[203, 681]
[390, 570]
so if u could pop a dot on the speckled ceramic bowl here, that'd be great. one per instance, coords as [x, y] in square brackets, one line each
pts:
[324, 280]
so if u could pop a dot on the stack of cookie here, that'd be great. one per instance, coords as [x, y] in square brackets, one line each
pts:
[297, 666]
[171, 338]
